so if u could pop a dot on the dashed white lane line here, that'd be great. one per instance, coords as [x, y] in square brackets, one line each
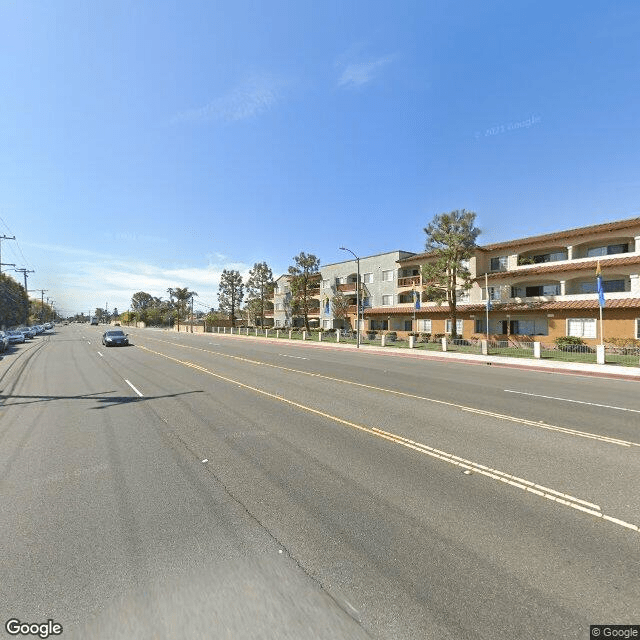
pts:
[100, 355]
[592, 404]
[134, 388]
[286, 355]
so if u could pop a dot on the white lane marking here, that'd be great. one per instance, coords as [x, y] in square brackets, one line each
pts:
[100, 355]
[88, 341]
[134, 388]
[285, 355]
[593, 404]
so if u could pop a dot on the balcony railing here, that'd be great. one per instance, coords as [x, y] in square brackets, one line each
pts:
[349, 286]
[409, 282]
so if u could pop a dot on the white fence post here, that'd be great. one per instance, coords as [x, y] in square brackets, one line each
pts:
[383, 340]
[337, 335]
[536, 350]
[600, 354]
[412, 341]
[444, 344]
[484, 344]
[277, 333]
[290, 334]
[319, 336]
[304, 335]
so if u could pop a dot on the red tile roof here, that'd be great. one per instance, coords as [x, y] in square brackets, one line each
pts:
[605, 263]
[569, 233]
[425, 312]
[544, 238]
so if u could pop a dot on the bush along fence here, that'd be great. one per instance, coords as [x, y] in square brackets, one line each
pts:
[568, 349]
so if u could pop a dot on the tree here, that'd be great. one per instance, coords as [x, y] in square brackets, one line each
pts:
[451, 238]
[340, 306]
[302, 273]
[14, 302]
[230, 293]
[182, 296]
[259, 287]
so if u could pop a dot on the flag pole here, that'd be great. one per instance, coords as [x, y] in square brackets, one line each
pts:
[486, 288]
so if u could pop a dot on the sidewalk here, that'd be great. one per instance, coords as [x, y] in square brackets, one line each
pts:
[549, 366]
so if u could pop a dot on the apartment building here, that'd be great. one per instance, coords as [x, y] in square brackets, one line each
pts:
[540, 287]
[285, 313]
[378, 275]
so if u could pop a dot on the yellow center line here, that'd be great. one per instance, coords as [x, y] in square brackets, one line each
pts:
[461, 407]
[514, 481]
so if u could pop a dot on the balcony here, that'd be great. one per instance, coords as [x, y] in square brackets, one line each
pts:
[349, 286]
[409, 282]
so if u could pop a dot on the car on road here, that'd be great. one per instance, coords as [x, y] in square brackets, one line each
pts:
[16, 336]
[115, 337]
[29, 332]
[4, 341]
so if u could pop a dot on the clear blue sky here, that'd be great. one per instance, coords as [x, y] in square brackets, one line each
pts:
[150, 144]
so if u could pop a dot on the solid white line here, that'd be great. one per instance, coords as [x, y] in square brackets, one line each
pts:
[134, 388]
[285, 355]
[593, 404]
[100, 355]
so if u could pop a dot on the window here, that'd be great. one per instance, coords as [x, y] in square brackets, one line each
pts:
[279, 306]
[607, 250]
[459, 325]
[325, 284]
[367, 278]
[387, 301]
[638, 329]
[379, 325]
[550, 257]
[494, 293]
[407, 325]
[542, 290]
[530, 327]
[499, 263]
[480, 325]
[326, 324]
[581, 327]
[608, 286]
[387, 276]
[424, 325]
[366, 301]
[462, 296]
[341, 280]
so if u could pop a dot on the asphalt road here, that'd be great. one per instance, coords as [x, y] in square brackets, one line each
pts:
[208, 486]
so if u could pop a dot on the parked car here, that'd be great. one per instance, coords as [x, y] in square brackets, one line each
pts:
[16, 336]
[29, 332]
[4, 341]
[115, 337]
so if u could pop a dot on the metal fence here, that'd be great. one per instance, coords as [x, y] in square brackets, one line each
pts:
[619, 355]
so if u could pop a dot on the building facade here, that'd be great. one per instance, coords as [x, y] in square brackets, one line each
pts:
[540, 287]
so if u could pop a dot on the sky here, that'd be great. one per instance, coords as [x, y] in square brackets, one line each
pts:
[148, 144]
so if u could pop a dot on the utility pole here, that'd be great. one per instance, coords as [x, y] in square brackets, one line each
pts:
[26, 290]
[1, 239]
[41, 302]
[192, 314]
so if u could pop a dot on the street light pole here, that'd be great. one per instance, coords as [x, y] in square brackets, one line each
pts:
[357, 295]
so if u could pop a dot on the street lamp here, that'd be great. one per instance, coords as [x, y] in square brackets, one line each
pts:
[357, 296]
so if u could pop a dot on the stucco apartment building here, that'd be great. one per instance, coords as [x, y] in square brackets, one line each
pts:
[541, 287]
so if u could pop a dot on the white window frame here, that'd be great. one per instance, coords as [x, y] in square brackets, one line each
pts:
[367, 278]
[387, 276]
[425, 325]
[583, 331]
[325, 284]
[386, 297]
[459, 326]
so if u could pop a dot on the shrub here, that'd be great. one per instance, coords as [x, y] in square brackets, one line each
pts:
[425, 337]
